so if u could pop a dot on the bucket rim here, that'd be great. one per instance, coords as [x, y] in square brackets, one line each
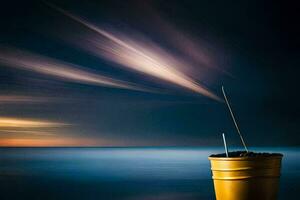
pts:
[279, 156]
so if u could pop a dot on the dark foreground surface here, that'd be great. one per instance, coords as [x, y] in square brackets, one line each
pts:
[250, 154]
[121, 173]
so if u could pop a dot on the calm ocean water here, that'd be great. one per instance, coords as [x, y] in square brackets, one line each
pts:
[121, 173]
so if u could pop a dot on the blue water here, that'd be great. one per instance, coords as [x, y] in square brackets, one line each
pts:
[121, 173]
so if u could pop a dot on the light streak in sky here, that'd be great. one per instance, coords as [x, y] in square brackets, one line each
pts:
[193, 49]
[12, 99]
[143, 57]
[8, 122]
[33, 132]
[27, 132]
[69, 72]
[20, 132]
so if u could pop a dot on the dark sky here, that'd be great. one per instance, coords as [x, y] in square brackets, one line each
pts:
[250, 47]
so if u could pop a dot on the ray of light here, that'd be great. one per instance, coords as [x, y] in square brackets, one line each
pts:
[191, 47]
[147, 58]
[32, 62]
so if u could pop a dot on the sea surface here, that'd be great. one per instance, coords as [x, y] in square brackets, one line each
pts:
[165, 173]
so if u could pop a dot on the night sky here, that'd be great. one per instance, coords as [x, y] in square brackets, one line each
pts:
[148, 73]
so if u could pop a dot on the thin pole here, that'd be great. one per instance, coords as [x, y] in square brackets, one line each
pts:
[233, 118]
[225, 145]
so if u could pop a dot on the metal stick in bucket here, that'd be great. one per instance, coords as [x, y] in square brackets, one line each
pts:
[233, 118]
[225, 145]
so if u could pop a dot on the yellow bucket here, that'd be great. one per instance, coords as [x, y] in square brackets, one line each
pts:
[246, 178]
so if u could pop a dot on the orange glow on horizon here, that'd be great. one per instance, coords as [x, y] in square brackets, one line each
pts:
[51, 142]
[20, 132]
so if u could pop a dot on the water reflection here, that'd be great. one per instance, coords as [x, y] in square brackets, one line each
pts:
[119, 173]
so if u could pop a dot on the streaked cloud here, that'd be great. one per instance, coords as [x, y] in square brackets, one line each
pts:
[8, 122]
[32, 132]
[16, 132]
[27, 132]
[144, 57]
[13, 99]
[58, 69]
